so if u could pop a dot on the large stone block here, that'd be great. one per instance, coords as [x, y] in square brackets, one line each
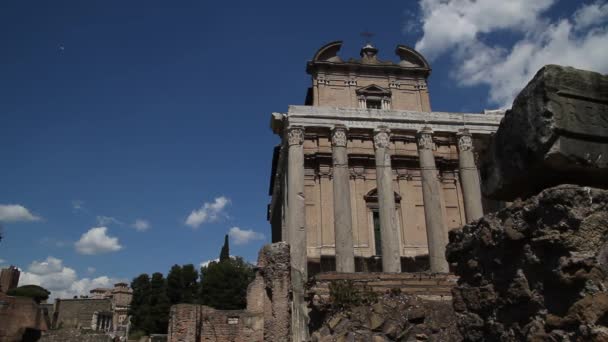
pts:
[555, 133]
[535, 271]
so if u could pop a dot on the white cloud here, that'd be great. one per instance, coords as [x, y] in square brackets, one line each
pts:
[48, 266]
[141, 225]
[242, 236]
[209, 212]
[458, 27]
[91, 270]
[108, 220]
[16, 213]
[62, 281]
[2, 261]
[590, 15]
[96, 241]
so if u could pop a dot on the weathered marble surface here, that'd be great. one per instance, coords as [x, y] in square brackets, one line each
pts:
[556, 132]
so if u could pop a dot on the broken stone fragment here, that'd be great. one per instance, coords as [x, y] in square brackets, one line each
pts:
[555, 133]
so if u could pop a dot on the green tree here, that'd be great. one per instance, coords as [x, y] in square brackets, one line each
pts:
[225, 252]
[159, 304]
[35, 292]
[175, 285]
[224, 284]
[190, 282]
[140, 304]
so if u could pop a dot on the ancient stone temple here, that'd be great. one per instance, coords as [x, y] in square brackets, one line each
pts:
[367, 177]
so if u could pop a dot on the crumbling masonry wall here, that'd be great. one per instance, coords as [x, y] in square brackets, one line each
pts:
[267, 317]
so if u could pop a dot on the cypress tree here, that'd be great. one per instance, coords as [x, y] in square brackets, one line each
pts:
[225, 252]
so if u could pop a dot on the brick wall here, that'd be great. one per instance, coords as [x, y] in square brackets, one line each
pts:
[18, 314]
[199, 323]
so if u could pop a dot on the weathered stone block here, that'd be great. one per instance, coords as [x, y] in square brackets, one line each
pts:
[555, 133]
[549, 284]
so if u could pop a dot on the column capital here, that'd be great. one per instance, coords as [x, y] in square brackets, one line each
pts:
[339, 135]
[382, 137]
[425, 139]
[465, 140]
[295, 135]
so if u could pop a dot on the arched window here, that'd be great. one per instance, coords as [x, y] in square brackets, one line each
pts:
[371, 200]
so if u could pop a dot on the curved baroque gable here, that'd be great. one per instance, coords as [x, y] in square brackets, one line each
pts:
[329, 52]
[410, 57]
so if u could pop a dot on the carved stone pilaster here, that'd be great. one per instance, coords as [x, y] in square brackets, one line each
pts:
[295, 135]
[338, 136]
[382, 137]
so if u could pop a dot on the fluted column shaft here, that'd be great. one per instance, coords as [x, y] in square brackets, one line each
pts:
[296, 232]
[431, 195]
[343, 222]
[469, 177]
[391, 260]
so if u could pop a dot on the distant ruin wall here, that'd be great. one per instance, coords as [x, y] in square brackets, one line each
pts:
[78, 313]
[267, 317]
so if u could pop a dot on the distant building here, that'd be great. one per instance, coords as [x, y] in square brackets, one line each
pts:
[9, 278]
[106, 309]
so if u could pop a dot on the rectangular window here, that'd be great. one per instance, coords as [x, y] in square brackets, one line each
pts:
[373, 104]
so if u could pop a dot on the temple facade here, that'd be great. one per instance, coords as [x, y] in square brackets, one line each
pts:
[367, 177]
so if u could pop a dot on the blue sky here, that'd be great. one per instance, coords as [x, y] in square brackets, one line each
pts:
[135, 134]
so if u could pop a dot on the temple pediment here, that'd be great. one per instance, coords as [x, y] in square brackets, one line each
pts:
[373, 89]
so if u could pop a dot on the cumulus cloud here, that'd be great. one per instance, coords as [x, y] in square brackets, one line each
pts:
[16, 213]
[209, 212]
[96, 241]
[62, 281]
[461, 28]
[141, 225]
[244, 236]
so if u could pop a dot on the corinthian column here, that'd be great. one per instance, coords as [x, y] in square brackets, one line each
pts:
[391, 259]
[296, 227]
[345, 255]
[469, 177]
[435, 230]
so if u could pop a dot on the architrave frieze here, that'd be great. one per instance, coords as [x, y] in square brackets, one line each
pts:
[405, 121]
